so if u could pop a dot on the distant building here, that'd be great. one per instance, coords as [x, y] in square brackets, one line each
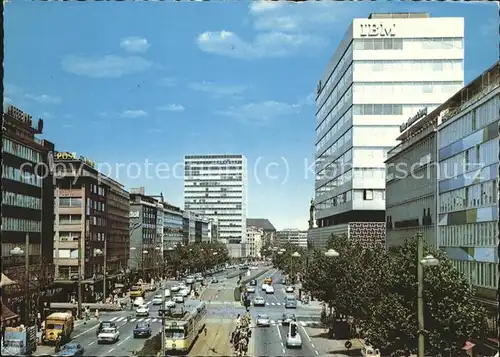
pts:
[195, 228]
[213, 230]
[254, 241]
[269, 232]
[215, 186]
[293, 236]
[172, 226]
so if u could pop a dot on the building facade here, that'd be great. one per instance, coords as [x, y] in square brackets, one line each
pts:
[268, 230]
[386, 68]
[172, 226]
[27, 210]
[453, 151]
[145, 246]
[215, 186]
[254, 241]
[213, 230]
[292, 236]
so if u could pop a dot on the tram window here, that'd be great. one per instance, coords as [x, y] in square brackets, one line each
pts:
[174, 333]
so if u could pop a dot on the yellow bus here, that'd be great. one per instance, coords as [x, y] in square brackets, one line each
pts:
[268, 280]
[180, 334]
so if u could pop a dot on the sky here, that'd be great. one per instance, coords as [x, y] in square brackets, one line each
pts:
[135, 86]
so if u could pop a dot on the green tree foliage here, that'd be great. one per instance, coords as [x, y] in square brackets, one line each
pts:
[379, 291]
[451, 317]
[197, 257]
[284, 260]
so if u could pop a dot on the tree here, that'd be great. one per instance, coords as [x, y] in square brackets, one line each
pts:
[198, 257]
[450, 315]
[284, 260]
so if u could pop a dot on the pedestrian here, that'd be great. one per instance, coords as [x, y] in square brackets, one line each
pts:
[58, 343]
[97, 314]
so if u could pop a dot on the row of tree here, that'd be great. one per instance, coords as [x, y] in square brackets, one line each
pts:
[378, 291]
[197, 257]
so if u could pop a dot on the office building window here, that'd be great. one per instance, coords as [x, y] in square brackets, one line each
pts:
[20, 225]
[21, 151]
[18, 200]
[11, 173]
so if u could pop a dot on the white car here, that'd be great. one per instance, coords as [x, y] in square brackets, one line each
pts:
[289, 289]
[178, 298]
[142, 310]
[157, 300]
[108, 335]
[269, 290]
[169, 304]
[263, 320]
[264, 287]
[250, 289]
[184, 292]
[190, 280]
[259, 301]
[175, 288]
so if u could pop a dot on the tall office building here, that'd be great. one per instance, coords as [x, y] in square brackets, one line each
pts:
[216, 187]
[387, 68]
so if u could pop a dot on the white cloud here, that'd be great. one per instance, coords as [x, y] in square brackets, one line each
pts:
[7, 100]
[134, 44]
[275, 44]
[109, 66]
[258, 7]
[168, 82]
[134, 114]
[260, 113]
[217, 90]
[172, 108]
[44, 98]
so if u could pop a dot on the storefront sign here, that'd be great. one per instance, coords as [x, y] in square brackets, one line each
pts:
[65, 155]
[134, 214]
[377, 30]
[421, 113]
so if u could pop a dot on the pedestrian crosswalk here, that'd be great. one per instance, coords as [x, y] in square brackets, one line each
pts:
[134, 319]
[309, 323]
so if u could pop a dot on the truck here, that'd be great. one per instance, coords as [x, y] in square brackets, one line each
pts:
[58, 324]
[19, 341]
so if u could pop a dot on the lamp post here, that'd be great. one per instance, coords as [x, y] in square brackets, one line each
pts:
[294, 255]
[104, 254]
[157, 250]
[422, 262]
[19, 252]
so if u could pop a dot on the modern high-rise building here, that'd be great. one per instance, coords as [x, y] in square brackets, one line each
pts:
[387, 68]
[215, 186]
[293, 236]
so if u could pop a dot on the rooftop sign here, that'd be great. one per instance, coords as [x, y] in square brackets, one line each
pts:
[377, 30]
[420, 114]
[72, 156]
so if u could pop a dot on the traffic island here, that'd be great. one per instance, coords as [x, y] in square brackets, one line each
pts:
[216, 341]
[237, 290]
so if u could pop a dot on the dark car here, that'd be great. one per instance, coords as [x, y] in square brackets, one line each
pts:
[142, 330]
[105, 324]
[71, 349]
[287, 318]
[253, 282]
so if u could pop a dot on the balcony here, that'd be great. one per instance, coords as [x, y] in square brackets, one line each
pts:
[68, 244]
[66, 261]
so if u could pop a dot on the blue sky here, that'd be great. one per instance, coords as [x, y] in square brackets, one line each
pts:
[129, 82]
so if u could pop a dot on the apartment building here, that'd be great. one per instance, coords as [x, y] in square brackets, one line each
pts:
[453, 150]
[27, 211]
[215, 186]
[385, 69]
[254, 241]
[292, 236]
[268, 230]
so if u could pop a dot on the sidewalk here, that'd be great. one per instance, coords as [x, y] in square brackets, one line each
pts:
[216, 342]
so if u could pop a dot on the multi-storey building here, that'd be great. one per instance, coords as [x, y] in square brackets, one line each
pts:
[268, 230]
[254, 241]
[216, 187]
[27, 211]
[90, 225]
[195, 228]
[292, 236]
[213, 229]
[145, 246]
[385, 69]
[172, 226]
[462, 134]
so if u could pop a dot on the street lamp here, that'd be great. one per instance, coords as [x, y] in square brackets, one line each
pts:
[157, 249]
[103, 253]
[422, 262]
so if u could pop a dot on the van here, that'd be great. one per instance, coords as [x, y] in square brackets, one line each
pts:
[167, 293]
[138, 301]
[58, 323]
[290, 302]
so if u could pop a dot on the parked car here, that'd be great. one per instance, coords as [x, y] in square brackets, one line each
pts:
[142, 330]
[175, 288]
[178, 298]
[71, 349]
[105, 324]
[108, 335]
[157, 300]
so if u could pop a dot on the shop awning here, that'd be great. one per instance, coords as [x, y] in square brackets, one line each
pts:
[8, 317]
[6, 281]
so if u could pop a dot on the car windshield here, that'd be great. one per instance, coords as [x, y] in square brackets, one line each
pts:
[142, 325]
[157, 297]
[108, 330]
[143, 307]
[70, 347]
[263, 317]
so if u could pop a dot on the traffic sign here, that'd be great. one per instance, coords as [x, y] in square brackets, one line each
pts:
[348, 345]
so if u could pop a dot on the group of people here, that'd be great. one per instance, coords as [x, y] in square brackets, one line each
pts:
[240, 337]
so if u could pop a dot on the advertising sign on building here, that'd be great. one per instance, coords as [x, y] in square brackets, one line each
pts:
[420, 114]
[378, 30]
[134, 214]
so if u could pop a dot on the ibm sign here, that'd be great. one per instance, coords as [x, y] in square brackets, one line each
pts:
[378, 30]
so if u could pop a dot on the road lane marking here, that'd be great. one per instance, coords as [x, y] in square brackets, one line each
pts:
[119, 343]
[316, 352]
[283, 348]
[134, 319]
[114, 318]
[84, 332]
[279, 334]
[111, 350]
[119, 319]
[91, 343]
